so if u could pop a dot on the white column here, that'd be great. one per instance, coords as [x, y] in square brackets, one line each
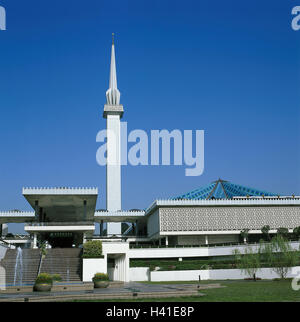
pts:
[113, 171]
[35, 240]
[167, 241]
[206, 239]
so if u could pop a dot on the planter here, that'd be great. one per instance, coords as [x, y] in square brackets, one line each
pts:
[101, 284]
[42, 287]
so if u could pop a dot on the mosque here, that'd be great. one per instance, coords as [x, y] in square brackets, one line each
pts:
[211, 215]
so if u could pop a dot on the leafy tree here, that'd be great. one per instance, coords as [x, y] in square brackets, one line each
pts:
[296, 232]
[280, 255]
[284, 232]
[265, 231]
[249, 261]
[245, 234]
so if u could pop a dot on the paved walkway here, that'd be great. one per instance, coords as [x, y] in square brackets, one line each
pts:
[128, 291]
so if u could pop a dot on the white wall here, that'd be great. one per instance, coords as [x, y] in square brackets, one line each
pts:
[119, 273]
[90, 266]
[183, 252]
[139, 274]
[3, 250]
[215, 274]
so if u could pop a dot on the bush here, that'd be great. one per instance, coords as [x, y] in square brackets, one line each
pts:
[56, 278]
[100, 277]
[92, 249]
[44, 278]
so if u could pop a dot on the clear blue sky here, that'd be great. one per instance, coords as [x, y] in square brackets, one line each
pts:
[230, 68]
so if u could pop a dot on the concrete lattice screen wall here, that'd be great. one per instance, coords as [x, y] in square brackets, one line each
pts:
[234, 218]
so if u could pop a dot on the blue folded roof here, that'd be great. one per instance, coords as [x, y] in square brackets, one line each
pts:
[222, 189]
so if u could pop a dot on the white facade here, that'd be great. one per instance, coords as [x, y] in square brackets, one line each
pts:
[216, 274]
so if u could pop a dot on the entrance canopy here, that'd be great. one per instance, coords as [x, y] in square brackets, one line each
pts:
[62, 204]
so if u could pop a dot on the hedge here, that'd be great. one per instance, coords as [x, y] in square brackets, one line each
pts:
[92, 249]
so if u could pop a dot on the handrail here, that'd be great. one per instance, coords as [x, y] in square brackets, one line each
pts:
[206, 246]
[62, 223]
[40, 264]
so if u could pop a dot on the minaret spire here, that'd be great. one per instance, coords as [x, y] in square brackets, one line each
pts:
[113, 112]
[113, 94]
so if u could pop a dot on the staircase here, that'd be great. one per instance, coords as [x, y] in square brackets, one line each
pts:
[63, 261]
[31, 259]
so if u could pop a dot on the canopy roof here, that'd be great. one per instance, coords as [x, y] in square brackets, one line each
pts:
[222, 189]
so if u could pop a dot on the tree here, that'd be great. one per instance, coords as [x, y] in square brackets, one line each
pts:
[284, 232]
[265, 231]
[280, 255]
[249, 261]
[296, 232]
[245, 234]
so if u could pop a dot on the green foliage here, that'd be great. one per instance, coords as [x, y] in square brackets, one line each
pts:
[92, 249]
[186, 264]
[249, 261]
[56, 278]
[245, 233]
[100, 277]
[265, 231]
[296, 232]
[280, 255]
[284, 232]
[43, 248]
[44, 278]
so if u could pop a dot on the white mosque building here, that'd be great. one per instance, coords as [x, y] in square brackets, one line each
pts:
[211, 215]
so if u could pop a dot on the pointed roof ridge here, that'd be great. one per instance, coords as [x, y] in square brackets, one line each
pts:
[222, 189]
[113, 94]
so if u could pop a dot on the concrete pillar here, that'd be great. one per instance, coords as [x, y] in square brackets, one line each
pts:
[101, 228]
[206, 239]
[136, 228]
[35, 240]
[167, 241]
[84, 210]
[41, 218]
[36, 203]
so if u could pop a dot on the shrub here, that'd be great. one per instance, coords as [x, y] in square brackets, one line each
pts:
[100, 277]
[44, 278]
[56, 278]
[92, 249]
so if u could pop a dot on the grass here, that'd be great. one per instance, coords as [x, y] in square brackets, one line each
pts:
[235, 291]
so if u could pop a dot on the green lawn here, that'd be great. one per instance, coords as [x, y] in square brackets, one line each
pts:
[238, 291]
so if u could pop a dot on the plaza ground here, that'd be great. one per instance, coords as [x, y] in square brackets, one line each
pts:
[187, 291]
[235, 291]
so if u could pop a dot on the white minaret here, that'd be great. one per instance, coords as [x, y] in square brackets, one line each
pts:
[113, 112]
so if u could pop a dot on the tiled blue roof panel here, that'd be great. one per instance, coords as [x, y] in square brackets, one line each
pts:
[222, 189]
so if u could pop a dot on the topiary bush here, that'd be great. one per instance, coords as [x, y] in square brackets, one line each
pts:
[92, 249]
[56, 278]
[44, 278]
[100, 277]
